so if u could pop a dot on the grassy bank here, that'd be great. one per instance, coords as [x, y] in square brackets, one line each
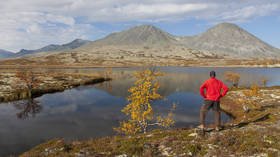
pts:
[254, 131]
[140, 62]
[50, 82]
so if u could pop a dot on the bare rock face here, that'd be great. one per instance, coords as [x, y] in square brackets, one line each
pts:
[230, 40]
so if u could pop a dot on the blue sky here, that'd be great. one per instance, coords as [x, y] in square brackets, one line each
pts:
[32, 24]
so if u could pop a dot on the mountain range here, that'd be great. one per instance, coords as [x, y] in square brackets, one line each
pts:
[5, 54]
[149, 44]
[225, 39]
[49, 48]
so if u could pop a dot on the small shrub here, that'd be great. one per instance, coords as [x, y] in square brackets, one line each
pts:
[232, 77]
[248, 101]
[264, 81]
[27, 80]
[254, 91]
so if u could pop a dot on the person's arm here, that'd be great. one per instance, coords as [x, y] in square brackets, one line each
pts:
[202, 87]
[225, 89]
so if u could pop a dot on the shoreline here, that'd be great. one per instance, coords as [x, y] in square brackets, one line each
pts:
[253, 132]
[4, 67]
[20, 63]
[51, 82]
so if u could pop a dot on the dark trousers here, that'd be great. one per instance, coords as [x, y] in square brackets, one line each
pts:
[208, 104]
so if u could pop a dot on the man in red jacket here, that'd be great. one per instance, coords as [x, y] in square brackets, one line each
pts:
[215, 89]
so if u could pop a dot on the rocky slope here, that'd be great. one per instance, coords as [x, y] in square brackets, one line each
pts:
[230, 40]
[138, 36]
[5, 54]
[224, 40]
[148, 45]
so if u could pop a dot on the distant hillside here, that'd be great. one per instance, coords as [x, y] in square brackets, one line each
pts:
[224, 40]
[149, 45]
[72, 45]
[230, 40]
[139, 35]
[5, 54]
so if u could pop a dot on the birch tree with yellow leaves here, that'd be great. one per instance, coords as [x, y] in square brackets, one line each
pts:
[139, 110]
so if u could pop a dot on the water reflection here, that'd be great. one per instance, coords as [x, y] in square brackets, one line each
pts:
[91, 111]
[29, 107]
[190, 79]
[107, 85]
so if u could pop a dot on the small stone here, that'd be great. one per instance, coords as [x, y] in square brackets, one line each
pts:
[268, 141]
[193, 134]
[122, 155]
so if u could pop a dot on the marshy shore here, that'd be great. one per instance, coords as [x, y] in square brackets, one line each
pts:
[49, 82]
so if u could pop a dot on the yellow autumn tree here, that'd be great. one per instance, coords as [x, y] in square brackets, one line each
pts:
[232, 77]
[139, 110]
[264, 81]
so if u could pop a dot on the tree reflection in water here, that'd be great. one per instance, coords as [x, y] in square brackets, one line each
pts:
[106, 85]
[29, 107]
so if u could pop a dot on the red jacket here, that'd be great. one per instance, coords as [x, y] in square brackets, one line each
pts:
[213, 88]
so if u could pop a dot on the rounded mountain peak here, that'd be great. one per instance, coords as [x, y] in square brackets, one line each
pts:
[145, 27]
[226, 28]
[138, 35]
[230, 39]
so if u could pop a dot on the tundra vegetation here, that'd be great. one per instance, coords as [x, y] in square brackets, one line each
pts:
[232, 77]
[27, 81]
[253, 131]
[264, 81]
[24, 84]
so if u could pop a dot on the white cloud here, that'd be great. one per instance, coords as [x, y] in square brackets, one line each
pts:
[249, 12]
[31, 30]
[32, 23]
[141, 12]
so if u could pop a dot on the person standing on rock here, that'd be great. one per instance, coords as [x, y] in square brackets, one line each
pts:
[212, 90]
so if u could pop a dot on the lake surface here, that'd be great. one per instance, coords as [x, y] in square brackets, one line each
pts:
[92, 111]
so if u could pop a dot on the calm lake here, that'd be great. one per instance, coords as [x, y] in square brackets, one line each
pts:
[92, 111]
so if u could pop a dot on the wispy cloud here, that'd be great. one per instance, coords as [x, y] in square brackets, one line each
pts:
[248, 12]
[32, 23]
[142, 12]
[32, 30]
